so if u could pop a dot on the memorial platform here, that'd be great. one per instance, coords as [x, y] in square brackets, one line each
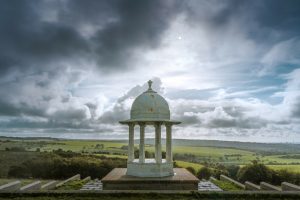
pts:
[181, 180]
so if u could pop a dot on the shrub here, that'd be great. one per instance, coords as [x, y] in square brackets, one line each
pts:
[218, 172]
[18, 171]
[204, 173]
[285, 175]
[16, 149]
[57, 167]
[255, 173]
[232, 170]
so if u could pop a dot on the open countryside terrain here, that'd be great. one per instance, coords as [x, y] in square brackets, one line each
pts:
[186, 153]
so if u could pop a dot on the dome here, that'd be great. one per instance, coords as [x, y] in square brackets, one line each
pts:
[150, 106]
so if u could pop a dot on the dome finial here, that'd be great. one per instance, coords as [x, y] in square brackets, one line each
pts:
[149, 84]
[150, 87]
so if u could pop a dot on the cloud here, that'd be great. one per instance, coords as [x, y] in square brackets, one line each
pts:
[37, 35]
[45, 100]
[139, 26]
[234, 113]
[28, 43]
[291, 94]
[281, 54]
[227, 68]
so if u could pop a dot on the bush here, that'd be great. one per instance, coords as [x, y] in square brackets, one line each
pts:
[255, 173]
[232, 170]
[285, 175]
[204, 173]
[218, 172]
[258, 172]
[18, 171]
[65, 154]
[52, 166]
[15, 149]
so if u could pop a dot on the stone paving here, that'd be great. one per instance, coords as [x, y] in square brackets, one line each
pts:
[208, 186]
[92, 185]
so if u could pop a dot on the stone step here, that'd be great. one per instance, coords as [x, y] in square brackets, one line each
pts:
[267, 186]
[32, 186]
[12, 186]
[289, 187]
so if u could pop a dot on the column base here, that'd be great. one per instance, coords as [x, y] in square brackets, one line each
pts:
[150, 168]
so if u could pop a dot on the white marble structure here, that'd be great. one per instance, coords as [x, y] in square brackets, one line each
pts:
[150, 108]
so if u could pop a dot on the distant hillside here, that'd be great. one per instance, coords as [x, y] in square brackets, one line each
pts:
[266, 148]
[257, 147]
[253, 146]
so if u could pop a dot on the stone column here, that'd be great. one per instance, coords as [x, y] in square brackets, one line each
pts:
[142, 143]
[158, 142]
[169, 143]
[131, 143]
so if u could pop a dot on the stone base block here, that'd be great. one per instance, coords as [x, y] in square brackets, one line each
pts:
[150, 168]
[118, 179]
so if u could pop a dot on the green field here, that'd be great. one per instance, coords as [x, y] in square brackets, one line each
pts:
[185, 154]
[184, 164]
[291, 168]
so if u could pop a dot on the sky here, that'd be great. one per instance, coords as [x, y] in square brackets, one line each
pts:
[230, 70]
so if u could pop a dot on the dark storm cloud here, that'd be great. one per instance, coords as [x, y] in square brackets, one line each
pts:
[122, 28]
[139, 26]
[28, 42]
[266, 20]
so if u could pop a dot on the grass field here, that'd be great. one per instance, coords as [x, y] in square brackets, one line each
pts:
[184, 164]
[198, 154]
[291, 168]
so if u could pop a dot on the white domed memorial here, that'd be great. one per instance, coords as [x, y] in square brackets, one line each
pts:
[150, 109]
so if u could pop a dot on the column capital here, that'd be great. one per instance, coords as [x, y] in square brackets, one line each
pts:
[167, 124]
[131, 124]
[142, 124]
[157, 124]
